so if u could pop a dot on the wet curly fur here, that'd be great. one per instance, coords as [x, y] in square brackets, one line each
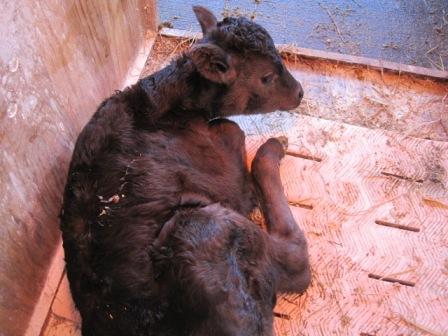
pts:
[244, 36]
[155, 215]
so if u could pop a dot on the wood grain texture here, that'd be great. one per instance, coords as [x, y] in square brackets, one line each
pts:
[58, 61]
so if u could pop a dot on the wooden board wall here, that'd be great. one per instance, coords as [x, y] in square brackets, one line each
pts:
[58, 60]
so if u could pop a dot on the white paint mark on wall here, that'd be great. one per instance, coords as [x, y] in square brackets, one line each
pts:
[18, 186]
[12, 110]
[28, 106]
[13, 64]
[53, 105]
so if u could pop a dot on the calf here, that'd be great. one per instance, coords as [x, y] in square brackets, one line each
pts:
[155, 221]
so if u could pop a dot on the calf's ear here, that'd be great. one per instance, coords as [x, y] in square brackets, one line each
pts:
[213, 63]
[206, 19]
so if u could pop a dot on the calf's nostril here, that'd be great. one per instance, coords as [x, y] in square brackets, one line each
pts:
[299, 96]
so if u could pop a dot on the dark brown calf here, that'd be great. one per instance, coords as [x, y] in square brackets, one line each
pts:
[155, 217]
[225, 270]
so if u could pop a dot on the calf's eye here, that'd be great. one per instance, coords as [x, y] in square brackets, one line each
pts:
[220, 66]
[268, 78]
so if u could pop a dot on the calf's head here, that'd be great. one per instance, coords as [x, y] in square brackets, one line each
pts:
[238, 59]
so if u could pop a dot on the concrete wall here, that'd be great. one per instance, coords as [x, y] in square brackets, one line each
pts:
[58, 60]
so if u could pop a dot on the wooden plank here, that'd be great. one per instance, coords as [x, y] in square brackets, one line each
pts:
[58, 326]
[48, 293]
[63, 305]
[63, 318]
[59, 60]
[370, 63]
[179, 33]
[137, 67]
[367, 278]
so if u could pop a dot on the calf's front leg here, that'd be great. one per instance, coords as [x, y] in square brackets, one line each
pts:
[288, 247]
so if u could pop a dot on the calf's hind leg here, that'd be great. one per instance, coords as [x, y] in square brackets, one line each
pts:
[288, 246]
